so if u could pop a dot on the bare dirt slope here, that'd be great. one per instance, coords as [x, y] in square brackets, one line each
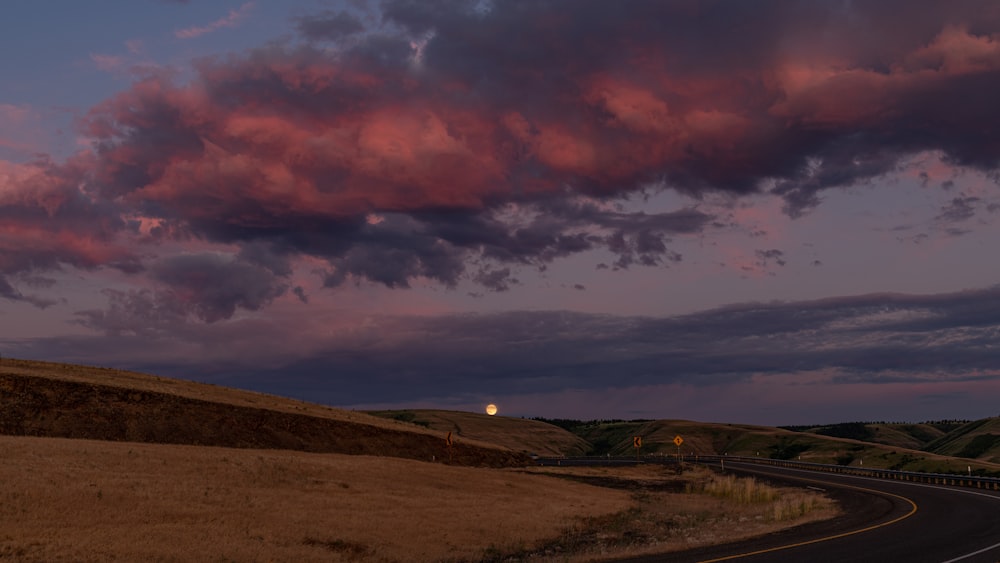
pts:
[69, 401]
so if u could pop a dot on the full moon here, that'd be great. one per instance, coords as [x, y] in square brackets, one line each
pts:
[491, 409]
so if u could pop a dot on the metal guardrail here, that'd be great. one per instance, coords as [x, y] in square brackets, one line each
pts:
[956, 480]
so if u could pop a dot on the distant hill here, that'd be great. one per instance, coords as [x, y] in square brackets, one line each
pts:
[903, 435]
[614, 437]
[70, 401]
[518, 434]
[978, 440]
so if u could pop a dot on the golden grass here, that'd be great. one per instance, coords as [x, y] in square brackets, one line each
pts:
[743, 490]
[82, 500]
[783, 503]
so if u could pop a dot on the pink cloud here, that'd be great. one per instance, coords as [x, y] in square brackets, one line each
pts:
[289, 139]
[17, 131]
[232, 19]
[135, 46]
[107, 63]
[48, 222]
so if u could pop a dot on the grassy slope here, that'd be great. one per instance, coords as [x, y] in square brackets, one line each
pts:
[979, 439]
[60, 400]
[901, 435]
[517, 434]
[912, 436]
[705, 438]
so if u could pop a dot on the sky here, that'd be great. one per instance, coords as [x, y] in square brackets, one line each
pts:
[770, 212]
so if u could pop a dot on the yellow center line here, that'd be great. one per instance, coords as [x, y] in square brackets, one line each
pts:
[913, 510]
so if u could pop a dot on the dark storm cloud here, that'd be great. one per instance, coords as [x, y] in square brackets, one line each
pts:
[959, 209]
[766, 257]
[209, 287]
[879, 338]
[329, 25]
[875, 338]
[212, 286]
[139, 313]
[7, 291]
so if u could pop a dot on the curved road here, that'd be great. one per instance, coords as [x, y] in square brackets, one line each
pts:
[884, 521]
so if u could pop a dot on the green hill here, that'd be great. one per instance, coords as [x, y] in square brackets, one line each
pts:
[979, 440]
[614, 437]
[902, 435]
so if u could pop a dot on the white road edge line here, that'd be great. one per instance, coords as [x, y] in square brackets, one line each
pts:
[974, 553]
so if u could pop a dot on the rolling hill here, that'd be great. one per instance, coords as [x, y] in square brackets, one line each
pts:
[704, 438]
[518, 434]
[69, 401]
[903, 435]
[978, 440]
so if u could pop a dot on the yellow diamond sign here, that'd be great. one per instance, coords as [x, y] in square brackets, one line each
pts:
[678, 440]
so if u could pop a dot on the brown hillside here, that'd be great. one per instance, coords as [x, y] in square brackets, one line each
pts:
[518, 434]
[68, 401]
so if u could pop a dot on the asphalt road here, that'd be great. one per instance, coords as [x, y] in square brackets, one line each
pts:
[884, 521]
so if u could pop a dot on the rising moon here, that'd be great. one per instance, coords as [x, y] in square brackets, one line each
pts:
[491, 409]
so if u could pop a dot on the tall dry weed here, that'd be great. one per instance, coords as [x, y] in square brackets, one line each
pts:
[784, 504]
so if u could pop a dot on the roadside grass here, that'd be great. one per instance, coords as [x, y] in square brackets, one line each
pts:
[674, 512]
[784, 503]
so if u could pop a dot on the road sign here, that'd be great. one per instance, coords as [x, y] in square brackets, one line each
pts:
[678, 440]
[636, 441]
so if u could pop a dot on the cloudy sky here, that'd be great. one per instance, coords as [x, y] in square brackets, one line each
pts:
[774, 212]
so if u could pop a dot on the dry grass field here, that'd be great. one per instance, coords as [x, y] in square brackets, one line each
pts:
[83, 500]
